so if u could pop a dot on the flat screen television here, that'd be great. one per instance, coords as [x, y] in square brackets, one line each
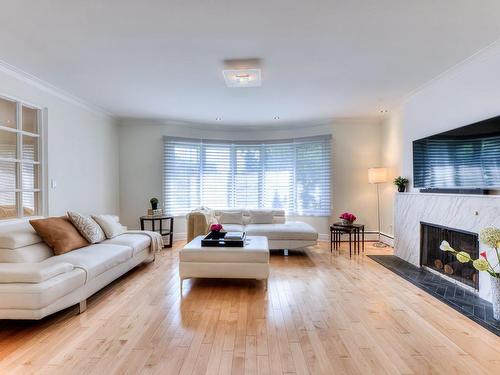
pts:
[464, 158]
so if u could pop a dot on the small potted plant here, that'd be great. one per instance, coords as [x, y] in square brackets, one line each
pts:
[491, 238]
[401, 182]
[154, 203]
[347, 218]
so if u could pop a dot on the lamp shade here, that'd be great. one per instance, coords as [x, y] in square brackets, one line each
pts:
[377, 175]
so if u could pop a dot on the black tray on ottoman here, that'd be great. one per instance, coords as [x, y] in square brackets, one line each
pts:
[215, 239]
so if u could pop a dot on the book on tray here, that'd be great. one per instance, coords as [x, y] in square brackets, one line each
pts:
[234, 236]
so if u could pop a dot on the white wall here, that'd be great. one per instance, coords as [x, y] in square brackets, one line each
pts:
[82, 149]
[355, 148]
[468, 93]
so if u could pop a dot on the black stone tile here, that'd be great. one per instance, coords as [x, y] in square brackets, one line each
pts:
[455, 296]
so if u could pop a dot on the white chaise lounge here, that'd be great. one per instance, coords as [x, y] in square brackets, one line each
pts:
[281, 234]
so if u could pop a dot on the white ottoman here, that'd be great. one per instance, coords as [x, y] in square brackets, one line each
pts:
[248, 262]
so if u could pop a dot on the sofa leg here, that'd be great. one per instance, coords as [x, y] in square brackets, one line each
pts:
[285, 252]
[82, 306]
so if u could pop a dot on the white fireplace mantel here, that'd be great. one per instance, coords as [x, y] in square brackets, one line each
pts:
[466, 212]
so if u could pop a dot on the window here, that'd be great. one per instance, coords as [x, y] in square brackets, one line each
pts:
[292, 174]
[20, 161]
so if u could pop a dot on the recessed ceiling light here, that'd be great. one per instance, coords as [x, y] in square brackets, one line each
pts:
[242, 77]
[276, 117]
[218, 119]
[384, 111]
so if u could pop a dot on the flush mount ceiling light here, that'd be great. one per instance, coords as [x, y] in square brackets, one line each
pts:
[242, 77]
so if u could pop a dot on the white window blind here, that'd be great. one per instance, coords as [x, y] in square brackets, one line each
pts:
[292, 174]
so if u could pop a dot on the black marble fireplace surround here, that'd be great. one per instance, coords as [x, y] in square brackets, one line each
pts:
[431, 236]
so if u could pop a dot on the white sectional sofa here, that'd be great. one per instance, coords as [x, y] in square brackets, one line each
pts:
[281, 234]
[34, 283]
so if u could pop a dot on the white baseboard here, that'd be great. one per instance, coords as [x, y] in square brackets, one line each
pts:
[387, 239]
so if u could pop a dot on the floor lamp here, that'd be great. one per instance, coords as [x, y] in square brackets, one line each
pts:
[378, 176]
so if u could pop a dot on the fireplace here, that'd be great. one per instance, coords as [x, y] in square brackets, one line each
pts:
[431, 236]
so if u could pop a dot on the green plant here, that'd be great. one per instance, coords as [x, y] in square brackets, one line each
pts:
[154, 203]
[400, 181]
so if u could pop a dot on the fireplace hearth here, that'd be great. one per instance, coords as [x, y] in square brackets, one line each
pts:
[431, 236]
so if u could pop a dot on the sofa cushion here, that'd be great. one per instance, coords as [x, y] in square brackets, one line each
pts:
[261, 217]
[292, 230]
[87, 227]
[32, 272]
[231, 217]
[98, 258]
[18, 234]
[110, 224]
[136, 241]
[40, 295]
[59, 234]
[28, 254]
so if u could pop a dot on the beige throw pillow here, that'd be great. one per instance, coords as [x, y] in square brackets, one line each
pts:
[87, 227]
[110, 225]
[231, 217]
[261, 216]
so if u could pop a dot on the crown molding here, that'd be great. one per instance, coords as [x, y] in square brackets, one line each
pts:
[50, 89]
[477, 55]
[125, 121]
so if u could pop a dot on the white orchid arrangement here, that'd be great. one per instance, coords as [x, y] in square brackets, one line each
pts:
[490, 237]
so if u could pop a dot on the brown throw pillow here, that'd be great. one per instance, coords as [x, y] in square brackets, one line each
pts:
[59, 234]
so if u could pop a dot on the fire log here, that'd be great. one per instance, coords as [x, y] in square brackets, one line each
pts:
[438, 263]
[453, 267]
[475, 277]
[467, 273]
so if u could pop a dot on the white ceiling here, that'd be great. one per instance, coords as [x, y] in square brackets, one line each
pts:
[321, 59]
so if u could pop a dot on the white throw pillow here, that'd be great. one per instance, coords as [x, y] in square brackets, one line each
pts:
[231, 217]
[109, 224]
[261, 217]
[87, 227]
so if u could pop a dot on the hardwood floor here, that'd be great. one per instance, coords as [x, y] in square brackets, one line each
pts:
[323, 314]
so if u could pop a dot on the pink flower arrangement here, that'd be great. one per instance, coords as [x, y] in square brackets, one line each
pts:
[216, 227]
[348, 217]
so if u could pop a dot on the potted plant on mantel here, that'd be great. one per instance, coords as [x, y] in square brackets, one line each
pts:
[491, 238]
[401, 182]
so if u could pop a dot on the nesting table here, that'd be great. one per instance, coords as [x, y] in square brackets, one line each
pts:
[356, 236]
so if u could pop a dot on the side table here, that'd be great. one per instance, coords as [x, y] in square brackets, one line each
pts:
[164, 230]
[356, 232]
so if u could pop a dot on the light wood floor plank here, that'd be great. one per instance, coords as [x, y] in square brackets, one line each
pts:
[323, 314]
